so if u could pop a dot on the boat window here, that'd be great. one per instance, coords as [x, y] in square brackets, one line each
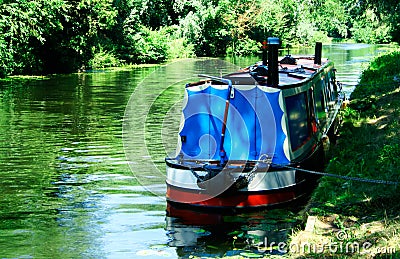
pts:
[332, 86]
[319, 102]
[311, 111]
[299, 129]
[327, 87]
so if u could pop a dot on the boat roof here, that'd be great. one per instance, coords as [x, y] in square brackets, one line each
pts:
[289, 74]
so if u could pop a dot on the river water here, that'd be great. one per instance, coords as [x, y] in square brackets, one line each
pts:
[82, 172]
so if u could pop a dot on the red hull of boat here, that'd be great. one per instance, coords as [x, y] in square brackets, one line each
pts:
[232, 200]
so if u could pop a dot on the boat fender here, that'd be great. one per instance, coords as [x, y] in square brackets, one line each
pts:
[325, 142]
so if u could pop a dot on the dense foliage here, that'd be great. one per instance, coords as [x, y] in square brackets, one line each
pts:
[54, 36]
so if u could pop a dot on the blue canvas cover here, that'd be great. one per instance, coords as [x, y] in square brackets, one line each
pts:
[253, 128]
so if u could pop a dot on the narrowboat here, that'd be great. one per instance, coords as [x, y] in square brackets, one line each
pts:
[246, 138]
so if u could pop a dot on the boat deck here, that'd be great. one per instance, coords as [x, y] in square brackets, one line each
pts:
[288, 74]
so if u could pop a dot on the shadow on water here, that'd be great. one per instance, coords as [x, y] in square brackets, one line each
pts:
[213, 234]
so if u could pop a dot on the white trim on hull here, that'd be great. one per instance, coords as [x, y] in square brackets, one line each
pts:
[262, 181]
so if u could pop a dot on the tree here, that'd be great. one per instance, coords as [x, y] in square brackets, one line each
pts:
[332, 17]
[369, 29]
[388, 13]
[204, 28]
[38, 36]
[89, 23]
[374, 21]
[24, 27]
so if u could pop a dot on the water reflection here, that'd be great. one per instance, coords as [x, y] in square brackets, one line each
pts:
[65, 181]
[214, 234]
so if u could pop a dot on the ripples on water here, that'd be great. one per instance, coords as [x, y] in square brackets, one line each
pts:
[67, 190]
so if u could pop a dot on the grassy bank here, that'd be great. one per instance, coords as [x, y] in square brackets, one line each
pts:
[349, 213]
[127, 67]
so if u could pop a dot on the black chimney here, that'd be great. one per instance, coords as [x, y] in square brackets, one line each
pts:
[273, 69]
[318, 53]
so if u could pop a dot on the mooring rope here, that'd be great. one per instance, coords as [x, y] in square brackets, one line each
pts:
[250, 175]
[344, 177]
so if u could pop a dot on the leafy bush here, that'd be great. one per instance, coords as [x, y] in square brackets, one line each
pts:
[244, 47]
[148, 46]
[389, 155]
[102, 59]
[6, 59]
[153, 46]
[379, 76]
[180, 48]
[369, 29]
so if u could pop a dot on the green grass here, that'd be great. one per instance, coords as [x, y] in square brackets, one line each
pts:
[368, 147]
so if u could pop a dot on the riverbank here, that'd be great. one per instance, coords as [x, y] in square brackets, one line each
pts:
[349, 219]
[99, 70]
